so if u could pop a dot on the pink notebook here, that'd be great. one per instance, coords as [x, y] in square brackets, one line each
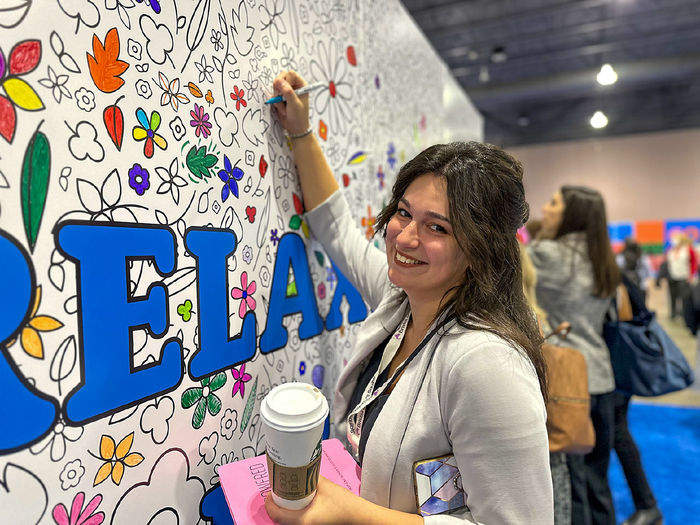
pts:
[245, 482]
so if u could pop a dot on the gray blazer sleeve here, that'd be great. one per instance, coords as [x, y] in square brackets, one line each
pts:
[360, 261]
[498, 437]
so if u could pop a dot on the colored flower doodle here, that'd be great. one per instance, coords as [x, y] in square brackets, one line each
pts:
[204, 398]
[56, 440]
[77, 515]
[177, 127]
[391, 155]
[200, 121]
[139, 179]
[230, 175]
[147, 132]
[241, 378]
[185, 310]
[237, 97]
[154, 4]
[368, 223]
[57, 85]
[330, 276]
[216, 40]
[205, 70]
[321, 290]
[247, 254]
[171, 92]
[116, 459]
[23, 58]
[229, 423]
[30, 338]
[274, 237]
[380, 176]
[143, 88]
[302, 368]
[71, 474]
[245, 294]
[209, 97]
[134, 49]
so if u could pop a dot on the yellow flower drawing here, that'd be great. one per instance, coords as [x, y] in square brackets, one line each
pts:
[116, 458]
[30, 338]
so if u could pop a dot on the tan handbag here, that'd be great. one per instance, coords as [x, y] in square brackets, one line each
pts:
[569, 424]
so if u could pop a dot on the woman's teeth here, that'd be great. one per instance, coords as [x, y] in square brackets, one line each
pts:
[406, 260]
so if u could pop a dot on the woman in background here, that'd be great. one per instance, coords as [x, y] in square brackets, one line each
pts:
[576, 278]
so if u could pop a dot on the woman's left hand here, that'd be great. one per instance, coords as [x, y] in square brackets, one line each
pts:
[332, 504]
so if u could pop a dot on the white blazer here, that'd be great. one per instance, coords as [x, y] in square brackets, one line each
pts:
[468, 392]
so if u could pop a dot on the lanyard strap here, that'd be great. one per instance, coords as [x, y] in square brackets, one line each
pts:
[356, 417]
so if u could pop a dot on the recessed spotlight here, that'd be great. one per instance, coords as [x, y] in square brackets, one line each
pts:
[523, 121]
[484, 75]
[498, 55]
[599, 120]
[606, 75]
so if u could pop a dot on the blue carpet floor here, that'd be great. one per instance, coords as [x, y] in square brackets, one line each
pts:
[669, 442]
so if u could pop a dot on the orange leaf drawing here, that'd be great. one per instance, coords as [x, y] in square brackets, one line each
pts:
[196, 92]
[105, 66]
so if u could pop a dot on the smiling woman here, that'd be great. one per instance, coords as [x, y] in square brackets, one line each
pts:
[449, 362]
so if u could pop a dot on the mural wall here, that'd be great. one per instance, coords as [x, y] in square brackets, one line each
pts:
[158, 277]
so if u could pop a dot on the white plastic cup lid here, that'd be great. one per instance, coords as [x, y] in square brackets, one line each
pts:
[294, 407]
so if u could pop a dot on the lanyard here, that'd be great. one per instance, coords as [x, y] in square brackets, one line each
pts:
[357, 416]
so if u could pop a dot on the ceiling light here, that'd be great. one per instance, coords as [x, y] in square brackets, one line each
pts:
[498, 55]
[606, 75]
[484, 75]
[599, 120]
[523, 120]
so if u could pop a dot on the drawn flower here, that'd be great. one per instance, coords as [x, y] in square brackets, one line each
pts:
[57, 85]
[147, 132]
[171, 91]
[185, 310]
[251, 86]
[391, 155]
[155, 5]
[143, 88]
[302, 368]
[171, 181]
[321, 290]
[85, 99]
[57, 440]
[230, 176]
[77, 515]
[205, 70]
[368, 223]
[245, 294]
[200, 121]
[209, 97]
[287, 61]
[71, 474]
[241, 379]
[237, 96]
[247, 254]
[139, 179]
[331, 68]
[216, 40]
[380, 176]
[204, 398]
[29, 337]
[330, 276]
[274, 237]
[116, 458]
[229, 423]
[177, 127]
[134, 49]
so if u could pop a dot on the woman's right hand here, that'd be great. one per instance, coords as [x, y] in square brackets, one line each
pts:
[293, 113]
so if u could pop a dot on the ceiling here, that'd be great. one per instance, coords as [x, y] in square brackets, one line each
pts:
[545, 90]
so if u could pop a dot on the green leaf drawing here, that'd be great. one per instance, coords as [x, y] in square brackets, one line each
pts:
[248, 410]
[295, 222]
[200, 162]
[320, 258]
[35, 184]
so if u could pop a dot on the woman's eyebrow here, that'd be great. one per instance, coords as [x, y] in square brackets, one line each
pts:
[433, 214]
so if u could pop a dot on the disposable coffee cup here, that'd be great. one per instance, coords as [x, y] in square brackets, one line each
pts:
[293, 415]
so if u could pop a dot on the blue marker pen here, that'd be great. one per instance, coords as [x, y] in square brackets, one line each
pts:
[301, 91]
